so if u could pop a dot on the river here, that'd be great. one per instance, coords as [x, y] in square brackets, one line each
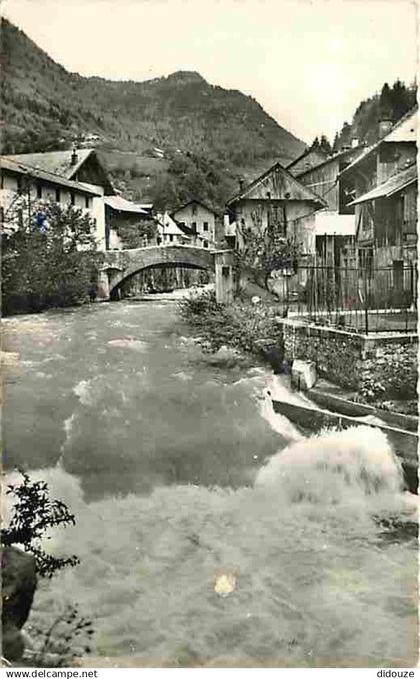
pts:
[181, 477]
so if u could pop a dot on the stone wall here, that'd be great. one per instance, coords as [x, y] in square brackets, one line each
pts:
[385, 365]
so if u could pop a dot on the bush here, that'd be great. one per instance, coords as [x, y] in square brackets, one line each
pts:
[240, 326]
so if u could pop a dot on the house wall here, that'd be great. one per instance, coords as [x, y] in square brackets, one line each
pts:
[304, 164]
[323, 181]
[256, 214]
[198, 214]
[391, 157]
[93, 206]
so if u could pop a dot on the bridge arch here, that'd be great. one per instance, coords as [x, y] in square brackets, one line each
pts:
[122, 264]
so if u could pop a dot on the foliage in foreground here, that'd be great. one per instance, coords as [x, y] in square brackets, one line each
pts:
[64, 639]
[239, 326]
[49, 257]
[33, 514]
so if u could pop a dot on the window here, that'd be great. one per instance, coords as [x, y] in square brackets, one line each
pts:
[86, 201]
[38, 190]
[225, 271]
[57, 195]
[205, 226]
[72, 198]
[2, 181]
[194, 227]
[398, 274]
[194, 209]
[206, 244]
[19, 184]
[171, 238]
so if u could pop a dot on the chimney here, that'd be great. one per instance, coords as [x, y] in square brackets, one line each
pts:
[74, 157]
[385, 125]
[241, 184]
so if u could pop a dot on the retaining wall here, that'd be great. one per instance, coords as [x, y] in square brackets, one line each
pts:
[383, 364]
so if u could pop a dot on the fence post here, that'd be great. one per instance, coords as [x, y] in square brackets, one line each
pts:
[366, 301]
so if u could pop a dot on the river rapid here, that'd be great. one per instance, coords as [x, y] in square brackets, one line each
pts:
[181, 478]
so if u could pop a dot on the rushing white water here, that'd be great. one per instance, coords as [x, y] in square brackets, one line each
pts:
[262, 547]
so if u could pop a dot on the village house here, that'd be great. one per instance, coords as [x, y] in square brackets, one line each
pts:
[22, 186]
[311, 157]
[81, 165]
[171, 233]
[113, 214]
[335, 227]
[128, 224]
[385, 203]
[200, 219]
[277, 199]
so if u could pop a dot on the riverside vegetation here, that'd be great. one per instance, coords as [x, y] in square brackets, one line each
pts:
[49, 259]
[33, 514]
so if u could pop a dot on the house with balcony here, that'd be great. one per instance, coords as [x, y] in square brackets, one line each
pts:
[334, 226]
[385, 204]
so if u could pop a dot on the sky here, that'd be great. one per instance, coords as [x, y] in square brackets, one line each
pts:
[309, 63]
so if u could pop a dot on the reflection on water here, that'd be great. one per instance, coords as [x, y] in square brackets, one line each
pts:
[181, 477]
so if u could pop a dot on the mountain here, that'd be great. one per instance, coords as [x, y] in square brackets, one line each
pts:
[44, 106]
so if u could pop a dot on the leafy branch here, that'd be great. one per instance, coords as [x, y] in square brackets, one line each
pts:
[33, 514]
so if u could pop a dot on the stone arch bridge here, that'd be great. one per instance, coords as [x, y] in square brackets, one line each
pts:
[120, 265]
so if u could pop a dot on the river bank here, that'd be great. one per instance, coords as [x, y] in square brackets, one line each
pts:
[179, 472]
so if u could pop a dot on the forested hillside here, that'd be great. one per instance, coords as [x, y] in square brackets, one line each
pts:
[46, 107]
[164, 139]
[392, 103]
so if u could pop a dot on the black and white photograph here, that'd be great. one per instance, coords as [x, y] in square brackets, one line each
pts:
[209, 340]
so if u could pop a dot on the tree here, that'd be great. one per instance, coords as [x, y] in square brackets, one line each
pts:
[385, 102]
[315, 144]
[264, 251]
[49, 257]
[336, 143]
[325, 145]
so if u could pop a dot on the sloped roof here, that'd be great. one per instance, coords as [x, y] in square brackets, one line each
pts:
[122, 205]
[171, 227]
[313, 158]
[394, 184]
[58, 162]
[279, 182]
[190, 202]
[344, 153]
[55, 179]
[404, 130]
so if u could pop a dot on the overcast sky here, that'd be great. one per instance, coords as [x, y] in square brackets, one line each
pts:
[309, 64]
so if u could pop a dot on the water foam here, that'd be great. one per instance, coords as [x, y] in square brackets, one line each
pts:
[313, 586]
